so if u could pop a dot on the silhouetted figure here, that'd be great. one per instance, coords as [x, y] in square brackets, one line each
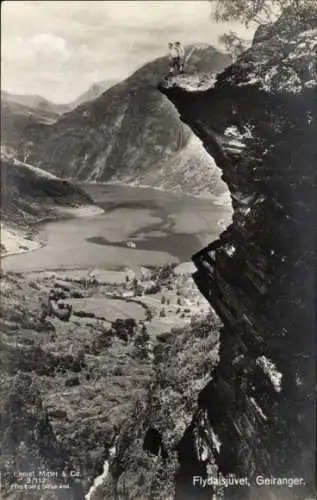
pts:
[181, 56]
[173, 59]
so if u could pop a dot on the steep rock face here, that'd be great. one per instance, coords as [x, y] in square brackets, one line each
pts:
[259, 123]
[132, 133]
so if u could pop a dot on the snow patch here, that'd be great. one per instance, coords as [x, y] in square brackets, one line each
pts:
[233, 132]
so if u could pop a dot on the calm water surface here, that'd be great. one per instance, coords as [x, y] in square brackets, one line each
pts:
[164, 226]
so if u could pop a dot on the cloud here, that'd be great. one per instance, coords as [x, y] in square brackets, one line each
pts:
[38, 49]
[48, 45]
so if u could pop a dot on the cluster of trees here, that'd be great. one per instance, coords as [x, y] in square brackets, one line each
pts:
[124, 328]
[35, 359]
[163, 273]
[160, 276]
[253, 14]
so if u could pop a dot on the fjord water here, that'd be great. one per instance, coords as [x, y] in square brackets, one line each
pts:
[165, 227]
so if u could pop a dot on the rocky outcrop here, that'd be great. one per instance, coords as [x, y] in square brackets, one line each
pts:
[259, 123]
[132, 134]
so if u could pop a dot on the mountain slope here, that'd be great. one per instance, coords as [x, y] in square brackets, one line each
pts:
[132, 133]
[23, 118]
[29, 192]
[34, 102]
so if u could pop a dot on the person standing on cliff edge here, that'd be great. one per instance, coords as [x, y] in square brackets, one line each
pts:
[174, 62]
[181, 56]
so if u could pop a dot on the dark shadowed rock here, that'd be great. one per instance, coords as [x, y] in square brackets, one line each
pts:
[258, 120]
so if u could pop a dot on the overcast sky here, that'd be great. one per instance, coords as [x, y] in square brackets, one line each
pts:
[57, 49]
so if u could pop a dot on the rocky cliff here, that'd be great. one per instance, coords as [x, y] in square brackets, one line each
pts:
[259, 123]
[246, 410]
[132, 134]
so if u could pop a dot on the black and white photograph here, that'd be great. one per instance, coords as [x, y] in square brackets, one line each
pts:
[158, 250]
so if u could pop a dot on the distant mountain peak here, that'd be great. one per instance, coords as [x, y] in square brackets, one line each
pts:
[93, 92]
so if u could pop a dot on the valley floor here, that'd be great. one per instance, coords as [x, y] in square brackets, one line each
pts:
[85, 374]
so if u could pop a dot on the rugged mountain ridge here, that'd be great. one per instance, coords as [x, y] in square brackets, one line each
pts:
[255, 415]
[132, 134]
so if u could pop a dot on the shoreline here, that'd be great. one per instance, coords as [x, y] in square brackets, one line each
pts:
[36, 235]
[209, 197]
[18, 235]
